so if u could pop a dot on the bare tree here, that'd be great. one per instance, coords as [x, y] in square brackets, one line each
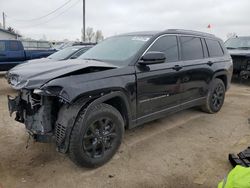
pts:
[89, 34]
[10, 29]
[44, 38]
[231, 35]
[98, 36]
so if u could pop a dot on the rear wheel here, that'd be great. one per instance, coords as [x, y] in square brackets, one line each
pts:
[96, 136]
[215, 97]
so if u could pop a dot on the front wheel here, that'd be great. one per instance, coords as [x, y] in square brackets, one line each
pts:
[215, 97]
[96, 136]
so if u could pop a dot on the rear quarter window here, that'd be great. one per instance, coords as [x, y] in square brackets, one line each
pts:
[214, 48]
[191, 48]
[2, 46]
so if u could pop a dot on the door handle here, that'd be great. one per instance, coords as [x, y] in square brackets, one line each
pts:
[177, 67]
[210, 63]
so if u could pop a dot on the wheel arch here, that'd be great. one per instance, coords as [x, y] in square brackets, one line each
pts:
[222, 75]
[69, 113]
[119, 101]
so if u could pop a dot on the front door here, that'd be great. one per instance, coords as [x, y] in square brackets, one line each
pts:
[158, 85]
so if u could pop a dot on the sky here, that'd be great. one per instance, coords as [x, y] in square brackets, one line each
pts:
[121, 16]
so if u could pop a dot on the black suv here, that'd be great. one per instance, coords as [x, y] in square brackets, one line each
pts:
[84, 105]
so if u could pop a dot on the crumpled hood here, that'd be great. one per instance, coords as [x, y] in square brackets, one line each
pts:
[38, 73]
[239, 52]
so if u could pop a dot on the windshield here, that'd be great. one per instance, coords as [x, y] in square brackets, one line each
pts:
[238, 43]
[63, 54]
[117, 50]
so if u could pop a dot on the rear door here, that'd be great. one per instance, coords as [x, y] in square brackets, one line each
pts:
[158, 85]
[197, 71]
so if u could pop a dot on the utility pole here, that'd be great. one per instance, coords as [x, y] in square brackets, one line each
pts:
[3, 20]
[83, 21]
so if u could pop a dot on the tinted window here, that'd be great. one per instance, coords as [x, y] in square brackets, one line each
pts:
[2, 46]
[214, 48]
[14, 46]
[191, 48]
[167, 45]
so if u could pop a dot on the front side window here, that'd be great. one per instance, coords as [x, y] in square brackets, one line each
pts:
[2, 46]
[167, 45]
[191, 48]
[214, 48]
[117, 50]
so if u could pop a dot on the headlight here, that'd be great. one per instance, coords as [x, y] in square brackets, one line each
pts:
[14, 79]
[38, 91]
[52, 90]
[17, 84]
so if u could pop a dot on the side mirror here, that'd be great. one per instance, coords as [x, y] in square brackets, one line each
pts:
[152, 58]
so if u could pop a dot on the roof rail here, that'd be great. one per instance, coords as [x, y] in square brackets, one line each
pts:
[190, 31]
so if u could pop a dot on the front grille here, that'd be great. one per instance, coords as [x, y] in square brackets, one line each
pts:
[60, 133]
[239, 63]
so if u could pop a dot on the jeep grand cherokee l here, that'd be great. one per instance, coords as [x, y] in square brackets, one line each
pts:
[84, 105]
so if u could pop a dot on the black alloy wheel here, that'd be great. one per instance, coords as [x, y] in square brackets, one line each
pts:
[99, 137]
[215, 97]
[218, 96]
[96, 135]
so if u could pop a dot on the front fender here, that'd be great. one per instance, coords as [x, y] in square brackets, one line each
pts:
[69, 112]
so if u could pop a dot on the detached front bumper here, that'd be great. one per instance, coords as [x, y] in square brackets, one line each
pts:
[14, 106]
[35, 112]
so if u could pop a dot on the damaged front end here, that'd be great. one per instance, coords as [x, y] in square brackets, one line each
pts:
[241, 65]
[37, 112]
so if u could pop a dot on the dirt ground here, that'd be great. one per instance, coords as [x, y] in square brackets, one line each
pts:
[185, 150]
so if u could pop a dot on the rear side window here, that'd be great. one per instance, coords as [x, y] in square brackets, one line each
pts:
[191, 48]
[214, 48]
[2, 46]
[14, 46]
[167, 45]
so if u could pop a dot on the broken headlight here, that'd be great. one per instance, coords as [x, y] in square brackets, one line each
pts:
[52, 91]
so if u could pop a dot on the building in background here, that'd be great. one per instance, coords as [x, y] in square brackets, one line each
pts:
[5, 34]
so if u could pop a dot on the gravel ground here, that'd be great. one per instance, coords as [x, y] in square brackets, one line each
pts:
[185, 150]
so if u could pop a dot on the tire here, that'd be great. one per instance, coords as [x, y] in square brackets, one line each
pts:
[215, 97]
[96, 136]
